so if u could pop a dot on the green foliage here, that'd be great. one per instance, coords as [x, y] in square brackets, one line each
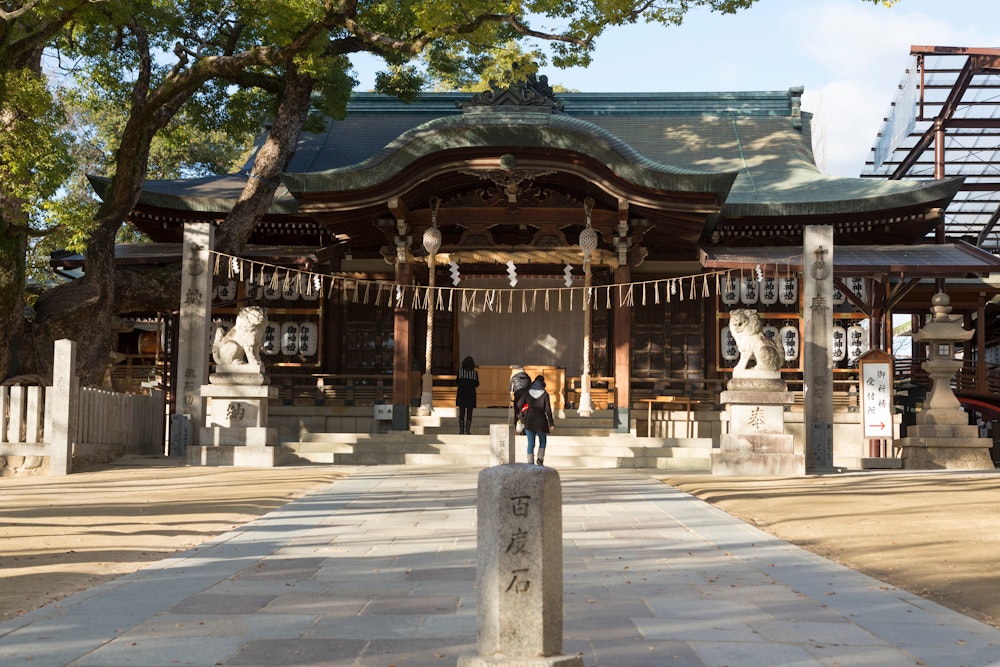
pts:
[34, 146]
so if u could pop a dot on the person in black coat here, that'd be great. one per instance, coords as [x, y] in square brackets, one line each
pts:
[465, 395]
[520, 382]
[536, 410]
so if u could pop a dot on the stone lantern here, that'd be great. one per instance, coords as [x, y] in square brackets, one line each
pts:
[942, 436]
[941, 334]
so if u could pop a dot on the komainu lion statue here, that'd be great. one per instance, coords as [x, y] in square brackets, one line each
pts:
[239, 345]
[753, 343]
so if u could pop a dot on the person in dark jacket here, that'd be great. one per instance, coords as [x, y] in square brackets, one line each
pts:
[519, 384]
[465, 395]
[536, 410]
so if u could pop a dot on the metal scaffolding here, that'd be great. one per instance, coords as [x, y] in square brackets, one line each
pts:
[945, 123]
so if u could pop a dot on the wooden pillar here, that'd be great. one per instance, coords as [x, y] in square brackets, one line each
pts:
[402, 342]
[622, 341]
[981, 386]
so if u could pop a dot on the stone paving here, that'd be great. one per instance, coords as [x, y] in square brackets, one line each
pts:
[379, 569]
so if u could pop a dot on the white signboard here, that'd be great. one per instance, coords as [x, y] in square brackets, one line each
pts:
[876, 397]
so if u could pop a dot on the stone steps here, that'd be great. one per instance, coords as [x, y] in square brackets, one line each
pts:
[404, 448]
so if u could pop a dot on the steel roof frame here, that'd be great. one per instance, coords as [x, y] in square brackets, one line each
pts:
[954, 130]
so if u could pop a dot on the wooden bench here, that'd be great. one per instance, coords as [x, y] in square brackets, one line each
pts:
[443, 389]
[842, 401]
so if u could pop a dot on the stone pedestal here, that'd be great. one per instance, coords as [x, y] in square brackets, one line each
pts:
[944, 439]
[236, 431]
[519, 613]
[756, 443]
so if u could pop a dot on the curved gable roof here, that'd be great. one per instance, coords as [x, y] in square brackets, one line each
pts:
[504, 129]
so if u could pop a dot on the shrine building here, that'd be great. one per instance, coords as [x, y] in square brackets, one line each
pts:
[600, 239]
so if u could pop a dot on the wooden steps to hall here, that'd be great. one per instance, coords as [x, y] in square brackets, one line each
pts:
[589, 442]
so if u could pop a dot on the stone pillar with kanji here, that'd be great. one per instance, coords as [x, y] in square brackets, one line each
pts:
[519, 610]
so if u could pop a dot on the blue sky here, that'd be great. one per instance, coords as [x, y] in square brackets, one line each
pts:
[850, 55]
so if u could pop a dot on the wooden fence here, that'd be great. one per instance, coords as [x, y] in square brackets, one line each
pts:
[94, 426]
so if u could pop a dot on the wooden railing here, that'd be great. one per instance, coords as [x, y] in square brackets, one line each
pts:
[88, 426]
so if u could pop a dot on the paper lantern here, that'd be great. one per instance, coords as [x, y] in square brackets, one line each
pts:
[859, 288]
[269, 341]
[308, 339]
[769, 291]
[770, 331]
[839, 343]
[789, 337]
[289, 288]
[730, 290]
[254, 290]
[729, 350]
[313, 288]
[289, 338]
[272, 291]
[788, 291]
[749, 290]
[838, 297]
[857, 342]
[225, 291]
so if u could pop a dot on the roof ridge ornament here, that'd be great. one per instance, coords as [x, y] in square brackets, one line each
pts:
[533, 92]
[795, 99]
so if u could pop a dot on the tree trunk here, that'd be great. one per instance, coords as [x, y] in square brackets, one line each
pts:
[13, 246]
[270, 161]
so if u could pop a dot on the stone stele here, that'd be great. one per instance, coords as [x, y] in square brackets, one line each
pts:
[519, 611]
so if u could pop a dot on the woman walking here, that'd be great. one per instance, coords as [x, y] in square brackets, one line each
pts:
[465, 395]
[536, 410]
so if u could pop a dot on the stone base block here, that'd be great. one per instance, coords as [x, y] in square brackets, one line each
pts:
[946, 458]
[757, 443]
[550, 661]
[959, 432]
[955, 416]
[753, 463]
[250, 436]
[756, 397]
[242, 456]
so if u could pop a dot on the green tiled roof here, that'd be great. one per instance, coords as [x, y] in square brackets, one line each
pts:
[666, 141]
